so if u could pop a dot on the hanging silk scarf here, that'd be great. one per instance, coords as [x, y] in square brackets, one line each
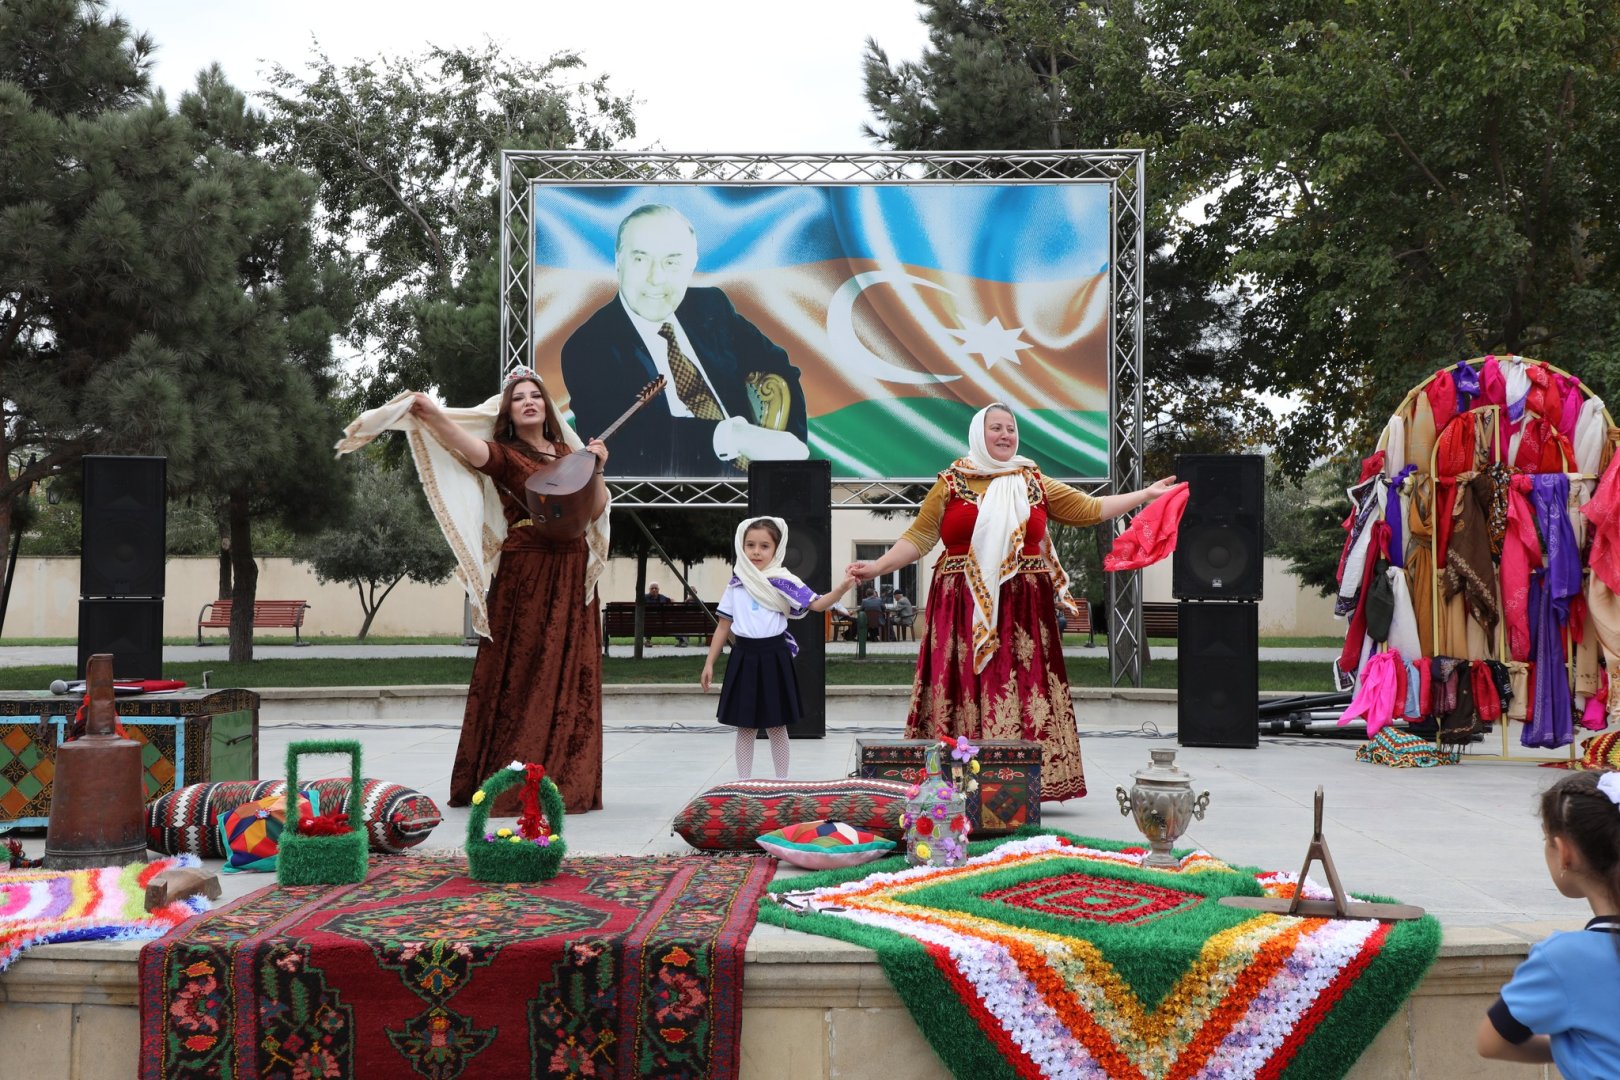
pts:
[1375, 699]
[1353, 559]
[1543, 448]
[1394, 512]
[1442, 395]
[1469, 569]
[1603, 511]
[1453, 456]
[1551, 588]
[1521, 554]
[1465, 381]
[1355, 639]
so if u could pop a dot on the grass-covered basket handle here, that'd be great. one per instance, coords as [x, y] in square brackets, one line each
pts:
[533, 851]
[337, 859]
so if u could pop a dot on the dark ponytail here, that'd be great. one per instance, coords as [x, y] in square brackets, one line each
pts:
[1577, 810]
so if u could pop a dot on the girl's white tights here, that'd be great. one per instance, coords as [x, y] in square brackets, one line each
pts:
[745, 751]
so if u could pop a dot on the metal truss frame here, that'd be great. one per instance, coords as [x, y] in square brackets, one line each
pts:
[1123, 170]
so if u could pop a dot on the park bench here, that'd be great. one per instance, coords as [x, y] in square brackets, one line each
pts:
[267, 614]
[657, 620]
[1159, 620]
[1080, 624]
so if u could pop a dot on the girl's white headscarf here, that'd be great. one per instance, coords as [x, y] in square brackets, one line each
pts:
[757, 581]
[998, 533]
[464, 501]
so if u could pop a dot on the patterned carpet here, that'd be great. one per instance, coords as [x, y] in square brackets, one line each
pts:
[1061, 956]
[618, 967]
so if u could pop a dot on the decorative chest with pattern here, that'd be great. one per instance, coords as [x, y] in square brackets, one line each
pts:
[188, 736]
[1009, 795]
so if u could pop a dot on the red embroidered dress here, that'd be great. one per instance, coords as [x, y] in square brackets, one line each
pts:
[1023, 692]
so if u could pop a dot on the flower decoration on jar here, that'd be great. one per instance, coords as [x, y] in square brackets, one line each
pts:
[935, 805]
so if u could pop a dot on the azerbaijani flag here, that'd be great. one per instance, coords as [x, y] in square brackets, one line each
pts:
[906, 307]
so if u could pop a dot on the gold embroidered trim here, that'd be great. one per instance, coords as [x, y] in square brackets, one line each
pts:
[958, 564]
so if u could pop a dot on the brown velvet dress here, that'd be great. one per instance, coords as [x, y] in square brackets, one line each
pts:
[536, 691]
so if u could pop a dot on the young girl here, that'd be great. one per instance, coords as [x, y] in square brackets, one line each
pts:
[761, 690]
[1559, 1005]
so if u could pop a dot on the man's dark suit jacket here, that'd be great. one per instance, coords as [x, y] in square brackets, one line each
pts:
[605, 364]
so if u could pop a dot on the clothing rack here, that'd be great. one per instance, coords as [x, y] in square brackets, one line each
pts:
[1498, 648]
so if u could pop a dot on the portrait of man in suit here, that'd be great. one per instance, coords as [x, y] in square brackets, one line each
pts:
[731, 394]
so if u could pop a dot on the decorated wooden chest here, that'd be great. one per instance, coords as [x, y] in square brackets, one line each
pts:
[1009, 795]
[187, 736]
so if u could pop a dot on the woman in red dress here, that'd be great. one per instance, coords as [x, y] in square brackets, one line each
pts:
[990, 665]
[536, 691]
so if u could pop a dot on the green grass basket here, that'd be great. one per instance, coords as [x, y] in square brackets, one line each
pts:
[325, 860]
[511, 858]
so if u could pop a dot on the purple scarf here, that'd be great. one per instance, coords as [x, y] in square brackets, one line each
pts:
[1393, 515]
[1551, 587]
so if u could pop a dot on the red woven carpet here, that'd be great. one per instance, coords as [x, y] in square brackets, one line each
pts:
[618, 967]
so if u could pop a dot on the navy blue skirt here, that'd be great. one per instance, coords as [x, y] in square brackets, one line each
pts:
[761, 689]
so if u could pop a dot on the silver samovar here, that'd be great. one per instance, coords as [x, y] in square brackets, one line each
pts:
[1163, 804]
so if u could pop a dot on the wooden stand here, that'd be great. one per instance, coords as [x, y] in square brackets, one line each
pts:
[1340, 907]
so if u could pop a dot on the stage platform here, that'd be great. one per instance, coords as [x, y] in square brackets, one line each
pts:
[1461, 841]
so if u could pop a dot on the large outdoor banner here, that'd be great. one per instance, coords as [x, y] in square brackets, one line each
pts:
[864, 324]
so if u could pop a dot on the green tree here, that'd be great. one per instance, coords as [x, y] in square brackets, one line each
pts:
[390, 537]
[1034, 75]
[1360, 191]
[407, 152]
[1402, 184]
[259, 370]
[107, 241]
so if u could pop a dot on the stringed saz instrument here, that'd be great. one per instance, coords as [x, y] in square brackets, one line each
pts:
[559, 493]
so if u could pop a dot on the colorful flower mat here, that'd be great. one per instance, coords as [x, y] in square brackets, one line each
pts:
[38, 907]
[618, 967]
[1051, 955]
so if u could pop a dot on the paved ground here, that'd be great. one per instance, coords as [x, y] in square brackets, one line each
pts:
[1462, 840]
[31, 655]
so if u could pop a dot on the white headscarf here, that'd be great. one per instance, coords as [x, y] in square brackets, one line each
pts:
[464, 501]
[998, 533]
[757, 581]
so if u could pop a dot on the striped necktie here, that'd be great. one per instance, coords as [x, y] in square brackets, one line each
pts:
[689, 385]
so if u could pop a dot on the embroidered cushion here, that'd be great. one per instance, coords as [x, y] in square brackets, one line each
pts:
[250, 835]
[729, 817]
[1601, 751]
[824, 845]
[185, 821]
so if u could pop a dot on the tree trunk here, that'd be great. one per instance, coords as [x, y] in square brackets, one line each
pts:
[6, 570]
[641, 594]
[224, 562]
[245, 577]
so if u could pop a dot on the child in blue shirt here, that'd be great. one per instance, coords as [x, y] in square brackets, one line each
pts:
[1559, 1007]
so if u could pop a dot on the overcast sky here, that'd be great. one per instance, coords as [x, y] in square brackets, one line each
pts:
[708, 75]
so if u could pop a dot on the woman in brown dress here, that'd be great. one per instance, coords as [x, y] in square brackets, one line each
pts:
[990, 665]
[536, 691]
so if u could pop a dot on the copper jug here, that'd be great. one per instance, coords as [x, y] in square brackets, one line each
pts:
[98, 810]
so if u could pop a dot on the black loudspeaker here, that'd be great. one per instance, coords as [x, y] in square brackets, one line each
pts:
[132, 630]
[122, 535]
[1218, 549]
[800, 493]
[1218, 675]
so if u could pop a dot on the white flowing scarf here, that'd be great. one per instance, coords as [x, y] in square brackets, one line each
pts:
[998, 535]
[757, 581]
[464, 501]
